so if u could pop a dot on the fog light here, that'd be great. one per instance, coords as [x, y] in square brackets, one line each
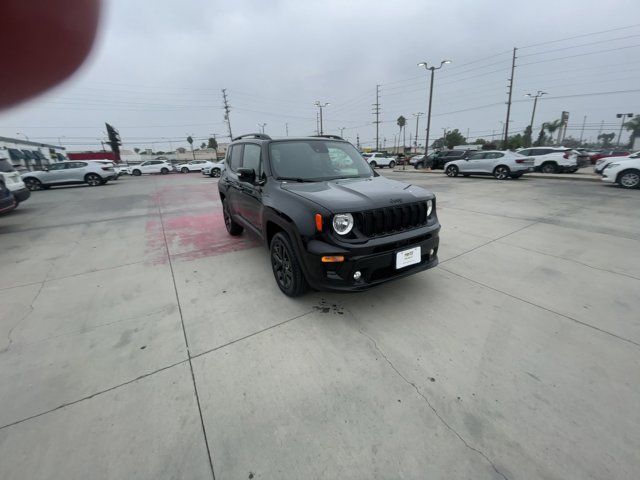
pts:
[431, 252]
[357, 275]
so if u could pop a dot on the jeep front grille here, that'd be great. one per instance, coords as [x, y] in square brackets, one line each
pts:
[384, 221]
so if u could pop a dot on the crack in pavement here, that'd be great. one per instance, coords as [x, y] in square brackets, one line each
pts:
[424, 397]
[579, 322]
[9, 334]
[88, 397]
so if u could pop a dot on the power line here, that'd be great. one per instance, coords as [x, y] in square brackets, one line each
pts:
[581, 45]
[580, 36]
[579, 55]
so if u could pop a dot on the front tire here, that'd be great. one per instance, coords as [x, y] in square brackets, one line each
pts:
[373, 164]
[184, 170]
[33, 184]
[549, 167]
[501, 172]
[629, 179]
[93, 179]
[451, 171]
[215, 172]
[136, 173]
[232, 227]
[392, 164]
[286, 266]
[164, 170]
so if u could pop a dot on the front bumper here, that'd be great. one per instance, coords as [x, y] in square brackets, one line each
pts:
[376, 263]
[7, 204]
[21, 195]
[609, 176]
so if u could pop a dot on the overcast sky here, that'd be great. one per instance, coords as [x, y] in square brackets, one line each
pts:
[158, 66]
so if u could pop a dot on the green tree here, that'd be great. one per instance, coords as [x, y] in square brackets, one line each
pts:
[190, 140]
[526, 138]
[213, 143]
[515, 141]
[552, 127]
[480, 141]
[454, 138]
[137, 150]
[606, 138]
[541, 136]
[633, 126]
[203, 146]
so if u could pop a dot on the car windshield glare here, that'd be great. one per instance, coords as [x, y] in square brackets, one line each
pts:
[317, 160]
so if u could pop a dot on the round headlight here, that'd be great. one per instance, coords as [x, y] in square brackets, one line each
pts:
[429, 207]
[342, 223]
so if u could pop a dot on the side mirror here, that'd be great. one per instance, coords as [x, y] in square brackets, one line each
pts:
[45, 168]
[247, 175]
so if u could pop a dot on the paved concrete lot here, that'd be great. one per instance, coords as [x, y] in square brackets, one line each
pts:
[138, 340]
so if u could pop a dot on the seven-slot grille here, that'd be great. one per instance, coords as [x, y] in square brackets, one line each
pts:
[387, 220]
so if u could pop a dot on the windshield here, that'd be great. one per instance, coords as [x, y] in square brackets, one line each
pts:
[5, 166]
[316, 160]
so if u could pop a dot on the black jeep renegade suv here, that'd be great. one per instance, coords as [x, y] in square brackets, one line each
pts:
[328, 219]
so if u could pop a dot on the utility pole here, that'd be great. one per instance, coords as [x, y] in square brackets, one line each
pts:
[584, 121]
[433, 70]
[622, 116]
[321, 106]
[533, 114]
[286, 129]
[317, 123]
[227, 109]
[358, 141]
[342, 132]
[261, 126]
[506, 125]
[415, 141]
[376, 112]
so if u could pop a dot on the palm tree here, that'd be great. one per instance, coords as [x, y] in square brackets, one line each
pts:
[190, 140]
[606, 138]
[634, 126]
[401, 123]
[553, 127]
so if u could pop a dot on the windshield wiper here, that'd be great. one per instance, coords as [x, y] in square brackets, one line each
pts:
[297, 179]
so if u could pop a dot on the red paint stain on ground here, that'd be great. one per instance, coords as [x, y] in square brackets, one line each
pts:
[196, 232]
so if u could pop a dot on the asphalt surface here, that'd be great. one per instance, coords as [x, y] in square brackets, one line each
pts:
[138, 340]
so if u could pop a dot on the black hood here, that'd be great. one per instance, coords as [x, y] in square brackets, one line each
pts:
[357, 194]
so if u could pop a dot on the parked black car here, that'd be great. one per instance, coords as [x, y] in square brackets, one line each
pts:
[7, 202]
[437, 160]
[329, 220]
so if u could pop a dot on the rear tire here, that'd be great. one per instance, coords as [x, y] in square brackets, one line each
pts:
[136, 173]
[164, 170]
[232, 227]
[451, 171]
[184, 170]
[93, 179]
[373, 164]
[549, 167]
[501, 172]
[629, 179]
[286, 266]
[33, 184]
[392, 164]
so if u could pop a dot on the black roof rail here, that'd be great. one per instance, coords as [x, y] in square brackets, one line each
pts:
[337, 137]
[261, 136]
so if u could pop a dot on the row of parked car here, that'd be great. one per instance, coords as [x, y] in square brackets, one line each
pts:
[206, 167]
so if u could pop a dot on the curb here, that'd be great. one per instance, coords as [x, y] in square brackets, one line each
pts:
[549, 176]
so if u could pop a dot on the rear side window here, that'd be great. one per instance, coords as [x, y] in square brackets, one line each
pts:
[251, 158]
[5, 166]
[476, 156]
[494, 155]
[234, 157]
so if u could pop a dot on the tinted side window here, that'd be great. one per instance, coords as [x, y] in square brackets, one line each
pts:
[234, 157]
[526, 153]
[251, 158]
[477, 156]
[494, 155]
[57, 166]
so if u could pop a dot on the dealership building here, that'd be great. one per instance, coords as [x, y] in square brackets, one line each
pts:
[30, 155]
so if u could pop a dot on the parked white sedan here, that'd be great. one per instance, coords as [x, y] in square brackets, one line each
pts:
[501, 165]
[150, 166]
[625, 172]
[193, 166]
[213, 169]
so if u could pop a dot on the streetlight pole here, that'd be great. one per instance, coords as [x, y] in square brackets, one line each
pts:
[433, 69]
[415, 140]
[20, 133]
[262, 125]
[321, 105]
[622, 116]
[342, 132]
[535, 103]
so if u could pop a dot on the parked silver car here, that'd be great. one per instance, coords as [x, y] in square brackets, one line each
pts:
[501, 165]
[69, 173]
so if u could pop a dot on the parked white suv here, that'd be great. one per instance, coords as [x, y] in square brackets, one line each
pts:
[12, 180]
[213, 169]
[193, 166]
[501, 165]
[379, 159]
[552, 159]
[623, 171]
[151, 166]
